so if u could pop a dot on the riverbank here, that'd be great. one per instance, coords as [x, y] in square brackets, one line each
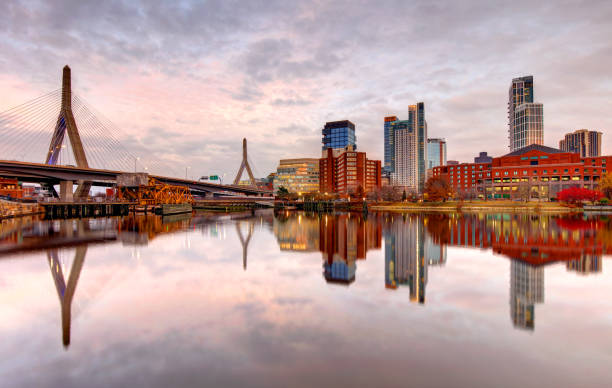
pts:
[9, 209]
[475, 207]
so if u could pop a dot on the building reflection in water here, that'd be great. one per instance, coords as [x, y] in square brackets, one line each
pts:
[409, 250]
[412, 244]
[342, 239]
[530, 242]
[415, 242]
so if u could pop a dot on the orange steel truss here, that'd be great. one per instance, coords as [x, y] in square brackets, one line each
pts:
[155, 193]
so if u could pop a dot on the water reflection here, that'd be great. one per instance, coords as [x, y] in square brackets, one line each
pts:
[342, 239]
[62, 239]
[414, 242]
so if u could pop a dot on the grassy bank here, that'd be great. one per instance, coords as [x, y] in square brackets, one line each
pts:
[475, 206]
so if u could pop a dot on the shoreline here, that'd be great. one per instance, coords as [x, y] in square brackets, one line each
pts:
[483, 207]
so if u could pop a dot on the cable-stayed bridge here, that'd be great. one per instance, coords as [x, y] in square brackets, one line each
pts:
[34, 148]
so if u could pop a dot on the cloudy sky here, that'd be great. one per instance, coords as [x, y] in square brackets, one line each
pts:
[186, 80]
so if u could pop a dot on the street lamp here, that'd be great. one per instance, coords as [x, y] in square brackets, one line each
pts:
[186, 168]
[135, 160]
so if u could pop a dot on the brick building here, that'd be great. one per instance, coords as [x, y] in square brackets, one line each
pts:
[535, 171]
[345, 172]
[10, 188]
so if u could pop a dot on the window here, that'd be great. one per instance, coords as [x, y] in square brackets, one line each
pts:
[543, 157]
[534, 157]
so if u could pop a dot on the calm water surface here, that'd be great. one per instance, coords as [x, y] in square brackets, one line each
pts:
[296, 299]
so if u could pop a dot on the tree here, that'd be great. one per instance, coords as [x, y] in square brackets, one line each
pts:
[576, 195]
[523, 191]
[605, 185]
[389, 193]
[282, 192]
[438, 189]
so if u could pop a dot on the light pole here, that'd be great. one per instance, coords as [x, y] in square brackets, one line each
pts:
[186, 168]
[135, 160]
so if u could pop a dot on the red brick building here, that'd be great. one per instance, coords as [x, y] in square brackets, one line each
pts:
[345, 172]
[534, 171]
[10, 188]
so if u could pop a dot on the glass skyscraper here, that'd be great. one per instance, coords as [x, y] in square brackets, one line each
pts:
[525, 118]
[389, 139]
[338, 135]
[408, 140]
[436, 153]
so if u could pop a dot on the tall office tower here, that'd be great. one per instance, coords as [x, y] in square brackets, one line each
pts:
[436, 153]
[389, 147]
[525, 118]
[584, 142]
[526, 289]
[338, 134]
[410, 138]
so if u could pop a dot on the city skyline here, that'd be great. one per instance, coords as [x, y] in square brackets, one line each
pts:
[186, 75]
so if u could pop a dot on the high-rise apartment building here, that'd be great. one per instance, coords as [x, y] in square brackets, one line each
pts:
[389, 147]
[339, 135]
[298, 175]
[584, 142]
[343, 173]
[410, 149]
[436, 153]
[525, 118]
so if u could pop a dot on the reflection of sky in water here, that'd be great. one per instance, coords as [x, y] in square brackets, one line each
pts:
[181, 311]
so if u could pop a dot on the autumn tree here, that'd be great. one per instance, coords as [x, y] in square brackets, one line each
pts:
[576, 195]
[605, 185]
[438, 189]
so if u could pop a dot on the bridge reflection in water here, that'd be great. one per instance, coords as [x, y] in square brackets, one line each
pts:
[71, 238]
[412, 244]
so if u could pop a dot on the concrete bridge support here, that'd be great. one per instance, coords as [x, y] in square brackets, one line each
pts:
[66, 191]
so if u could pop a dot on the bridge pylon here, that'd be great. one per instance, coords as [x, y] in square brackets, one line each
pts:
[245, 164]
[66, 123]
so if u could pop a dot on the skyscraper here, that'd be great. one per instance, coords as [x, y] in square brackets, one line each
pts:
[584, 142]
[525, 118]
[338, 135]
[436, 153]
[410, 138]
[389, 147]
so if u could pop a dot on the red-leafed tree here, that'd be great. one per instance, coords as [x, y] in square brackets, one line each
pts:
[576, 195]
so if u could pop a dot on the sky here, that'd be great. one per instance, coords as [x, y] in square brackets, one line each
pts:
[185, 81]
